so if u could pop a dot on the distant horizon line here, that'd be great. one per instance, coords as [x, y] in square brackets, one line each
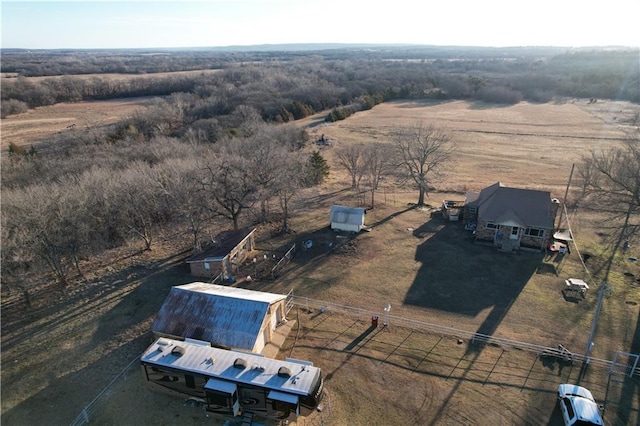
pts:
[319, 46]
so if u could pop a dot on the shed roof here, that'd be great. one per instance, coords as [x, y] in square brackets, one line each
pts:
[224, 243]
[513, 206]
[225, 316]
[349, 215]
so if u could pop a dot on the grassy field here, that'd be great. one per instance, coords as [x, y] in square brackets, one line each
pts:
[427, 269]
[34, 126]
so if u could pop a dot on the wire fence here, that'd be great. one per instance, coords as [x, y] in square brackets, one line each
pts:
[90, 409]
[478, 338]
[613, 366]
[275, 271]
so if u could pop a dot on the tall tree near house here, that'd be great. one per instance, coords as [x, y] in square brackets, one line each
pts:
[228, 182]
[176, 180]
[262, 156]
[138, 203]
[351, 158]
[378, 162]
[422, 151]
[289, 180]
[611, 186]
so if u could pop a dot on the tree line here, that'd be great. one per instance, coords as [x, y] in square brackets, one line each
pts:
[303, 84]
[61, 207]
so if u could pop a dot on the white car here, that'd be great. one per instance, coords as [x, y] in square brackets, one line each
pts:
[578, 406]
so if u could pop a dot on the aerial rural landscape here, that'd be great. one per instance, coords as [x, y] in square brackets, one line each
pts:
[420, 235]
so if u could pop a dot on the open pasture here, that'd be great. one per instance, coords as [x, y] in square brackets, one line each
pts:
[530, 145]
[37, 125]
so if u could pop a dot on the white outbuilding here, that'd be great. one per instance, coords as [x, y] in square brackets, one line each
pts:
[350, 219]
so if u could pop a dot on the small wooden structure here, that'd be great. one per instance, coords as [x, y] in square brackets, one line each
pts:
[222, 258]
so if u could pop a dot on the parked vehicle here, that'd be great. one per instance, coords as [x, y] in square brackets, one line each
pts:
[232, 382]
[577, 406]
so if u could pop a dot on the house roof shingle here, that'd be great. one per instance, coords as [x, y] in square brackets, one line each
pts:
[513, 206]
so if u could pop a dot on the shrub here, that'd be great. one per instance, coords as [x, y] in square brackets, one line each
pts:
[338, 114]
[12, 107]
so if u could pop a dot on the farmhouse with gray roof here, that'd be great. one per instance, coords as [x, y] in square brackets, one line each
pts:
[512, 218]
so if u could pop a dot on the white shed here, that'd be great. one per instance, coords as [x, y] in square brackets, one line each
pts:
[349, 219]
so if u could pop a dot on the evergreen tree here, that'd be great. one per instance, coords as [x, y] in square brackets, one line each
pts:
[318, 168]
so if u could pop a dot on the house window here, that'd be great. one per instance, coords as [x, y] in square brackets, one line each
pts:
[491, 225]
[206, 265]
[473, 209]
[534, 232]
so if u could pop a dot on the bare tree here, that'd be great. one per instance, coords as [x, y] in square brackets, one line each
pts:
[422, 150]
[351, 158]
[378, 162]
[136, 201]
[262, 156]
[611, 185]
[45, 222]
[228, 182]
[176, 179]
[289, 180]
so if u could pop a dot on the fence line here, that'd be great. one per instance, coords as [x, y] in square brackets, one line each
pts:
[90, 409]
[473, 337]
[305, 302]
[275, 271]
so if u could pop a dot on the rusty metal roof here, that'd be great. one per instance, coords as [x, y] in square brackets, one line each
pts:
[225, 316]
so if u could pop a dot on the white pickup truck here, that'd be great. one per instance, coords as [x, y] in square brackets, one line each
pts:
[578, 406]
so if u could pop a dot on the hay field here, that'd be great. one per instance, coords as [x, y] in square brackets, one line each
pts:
[36, 125]
[531, 145]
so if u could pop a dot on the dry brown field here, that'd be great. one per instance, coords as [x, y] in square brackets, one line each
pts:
[35, 126]
[59, 354]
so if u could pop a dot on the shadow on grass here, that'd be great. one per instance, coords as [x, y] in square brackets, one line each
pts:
[359, 339]
[630, 385]
[316, 247]
[464, 278]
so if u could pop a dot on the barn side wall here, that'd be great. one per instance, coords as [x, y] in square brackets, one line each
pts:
[198, 269]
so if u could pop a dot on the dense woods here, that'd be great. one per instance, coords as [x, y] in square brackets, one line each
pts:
[211, 151]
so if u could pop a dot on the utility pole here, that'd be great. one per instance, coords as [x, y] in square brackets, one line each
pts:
[566, 194]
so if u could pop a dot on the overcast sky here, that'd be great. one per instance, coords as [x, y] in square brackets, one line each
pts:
[140, 24]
